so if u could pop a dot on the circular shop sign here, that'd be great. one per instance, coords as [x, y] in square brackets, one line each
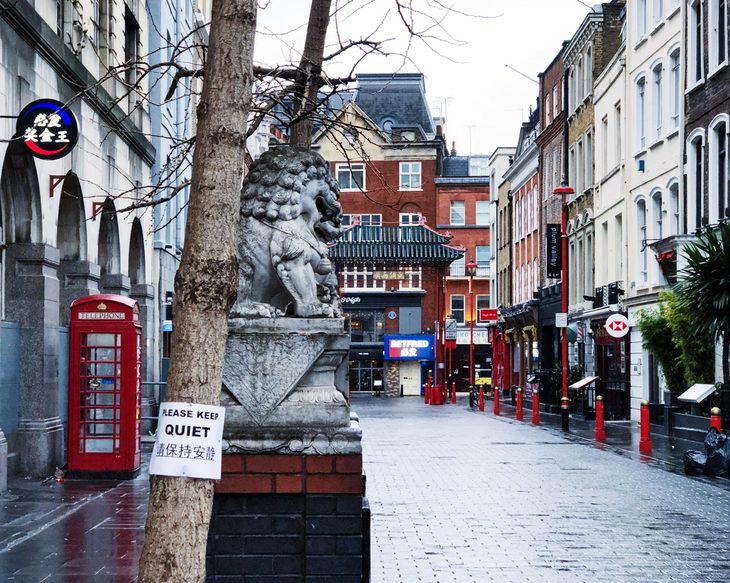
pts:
[617, 325]
[48, 129]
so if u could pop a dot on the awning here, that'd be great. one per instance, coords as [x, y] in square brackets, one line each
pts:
[583, 382]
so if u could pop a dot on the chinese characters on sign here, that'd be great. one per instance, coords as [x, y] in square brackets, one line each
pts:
[188, 441]
[415, 347]
[48, 129]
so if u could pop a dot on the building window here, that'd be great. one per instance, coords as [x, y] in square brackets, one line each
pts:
[457, 216]
[640, 19]
[657, 215]
[410, 175]
[367, 325]
[571, 166]
[59, 16]
[579, 167]
[589, 160]
[658, 100]
[641, 231]
[579, 91]
[482, 212]
[641, 113]
[361, 277]
[604, 146]
[95, 23]
[676, 81]
[482, 304]
[457, 308]
[588, 72]
[409, 219]
[718, 33]
[658, 11]
[351, 176]
[548, 110]
[718, 172]
[556, 102]
[131, 47]
[695, 73]
[373, 220]
[483, 253]
[458, 268]
[673, 227]
[695, 190]
[617, 132]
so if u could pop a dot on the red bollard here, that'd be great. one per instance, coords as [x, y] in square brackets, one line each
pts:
[600, 427]
[535, 407]
[645, 439]
[715, 420]
[437, 395]
[453, 392]
[481, 398]
[520, 416]
[496, 400]
[426, 394]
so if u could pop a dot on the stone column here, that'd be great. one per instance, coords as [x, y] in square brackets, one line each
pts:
[77, 279]
[145, 296]
[115, 283]
[32, 300]
[3, 462]
[392, 378]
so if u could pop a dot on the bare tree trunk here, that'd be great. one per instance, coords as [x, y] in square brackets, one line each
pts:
[205, 286]
[310, 70]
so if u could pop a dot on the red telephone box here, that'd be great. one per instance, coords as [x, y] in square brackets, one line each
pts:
[105, 385]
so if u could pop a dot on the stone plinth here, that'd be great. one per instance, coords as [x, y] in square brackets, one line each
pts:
[289, 506]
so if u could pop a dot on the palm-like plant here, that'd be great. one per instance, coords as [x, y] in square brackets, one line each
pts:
[704, 287]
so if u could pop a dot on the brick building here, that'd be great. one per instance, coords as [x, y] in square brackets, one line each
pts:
[464, 210]
[385, 153]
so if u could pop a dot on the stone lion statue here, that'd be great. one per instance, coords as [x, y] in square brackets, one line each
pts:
[289, 212]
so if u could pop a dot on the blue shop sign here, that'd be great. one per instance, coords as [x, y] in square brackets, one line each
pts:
[409, 347]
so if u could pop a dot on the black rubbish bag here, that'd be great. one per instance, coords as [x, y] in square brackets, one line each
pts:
[717, 448]
[694, 461]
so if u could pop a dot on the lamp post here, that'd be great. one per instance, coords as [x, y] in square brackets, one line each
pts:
[471, 269]
[564, 191]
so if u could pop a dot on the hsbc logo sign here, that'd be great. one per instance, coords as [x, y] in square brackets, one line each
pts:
[617, 326]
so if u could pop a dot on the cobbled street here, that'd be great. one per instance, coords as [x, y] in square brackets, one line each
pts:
[461, 496]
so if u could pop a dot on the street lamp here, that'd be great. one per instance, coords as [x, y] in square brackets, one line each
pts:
[471, 269]
[564, 191]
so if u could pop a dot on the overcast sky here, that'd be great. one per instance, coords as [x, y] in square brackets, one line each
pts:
[483, 100]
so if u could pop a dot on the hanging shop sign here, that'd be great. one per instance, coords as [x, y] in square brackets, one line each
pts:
[617, 325]
[188, 441]
[412, 347]
[48, 129]
[553, 263]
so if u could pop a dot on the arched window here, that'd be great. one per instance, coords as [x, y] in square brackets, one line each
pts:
[695, 186]
[673, 209]
[695, 43]
[642, 271]
[658, 99]
[641, 113]
[718, 170]
[675, 91]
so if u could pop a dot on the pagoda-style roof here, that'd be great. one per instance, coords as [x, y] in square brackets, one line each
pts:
[411, 245]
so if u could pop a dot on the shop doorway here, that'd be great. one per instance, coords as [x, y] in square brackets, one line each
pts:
[366, 376]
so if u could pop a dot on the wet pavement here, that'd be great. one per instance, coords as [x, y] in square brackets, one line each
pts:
[463, 496]
[456, 495]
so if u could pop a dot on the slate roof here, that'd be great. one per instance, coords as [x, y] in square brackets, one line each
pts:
[394, 245]
[454, 166]
[399, 98]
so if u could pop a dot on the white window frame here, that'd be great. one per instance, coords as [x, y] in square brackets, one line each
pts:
[675, 72]
[548, 110]
[604, 146]
[454, 205]
[409, 219]
[588, 165]
[718, 193]
[673, 208]
[657, 77]
[658, 11]
[695, 44]
[411, 170]
[483, 212]
[458, 267]
[483, 262]
[642, 273]
[481, 299]
[618, 134]
[556, 102]
[718, 28]
[640, 86]
[695, 182]
[349, 168]
[641, 19]
[454, 312]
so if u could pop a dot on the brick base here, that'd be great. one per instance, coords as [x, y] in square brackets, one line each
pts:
[287, 518]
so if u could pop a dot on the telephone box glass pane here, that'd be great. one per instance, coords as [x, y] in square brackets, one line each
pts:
[100, 393]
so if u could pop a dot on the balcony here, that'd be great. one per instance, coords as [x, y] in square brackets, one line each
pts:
[459, 270]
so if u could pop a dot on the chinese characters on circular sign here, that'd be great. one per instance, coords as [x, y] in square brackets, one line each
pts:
[48, 129]
[617, 325]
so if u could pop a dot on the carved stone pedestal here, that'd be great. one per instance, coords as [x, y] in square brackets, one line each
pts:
[289, 506]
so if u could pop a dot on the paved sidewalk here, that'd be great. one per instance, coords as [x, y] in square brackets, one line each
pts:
[461, 496]
[457, 496]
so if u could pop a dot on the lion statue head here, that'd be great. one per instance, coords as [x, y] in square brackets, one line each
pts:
[278, 183]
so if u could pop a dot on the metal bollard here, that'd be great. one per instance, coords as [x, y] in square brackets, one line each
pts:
[600, 426]
[481, 398]
[496, 400]
[535, 407]
[453, 392]
[645, 439]
[426, 394]
[520, 415]
[565, 413]
[715, 419]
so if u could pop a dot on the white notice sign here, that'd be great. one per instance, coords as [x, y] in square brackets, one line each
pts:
[561, 320]
[188, 441]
